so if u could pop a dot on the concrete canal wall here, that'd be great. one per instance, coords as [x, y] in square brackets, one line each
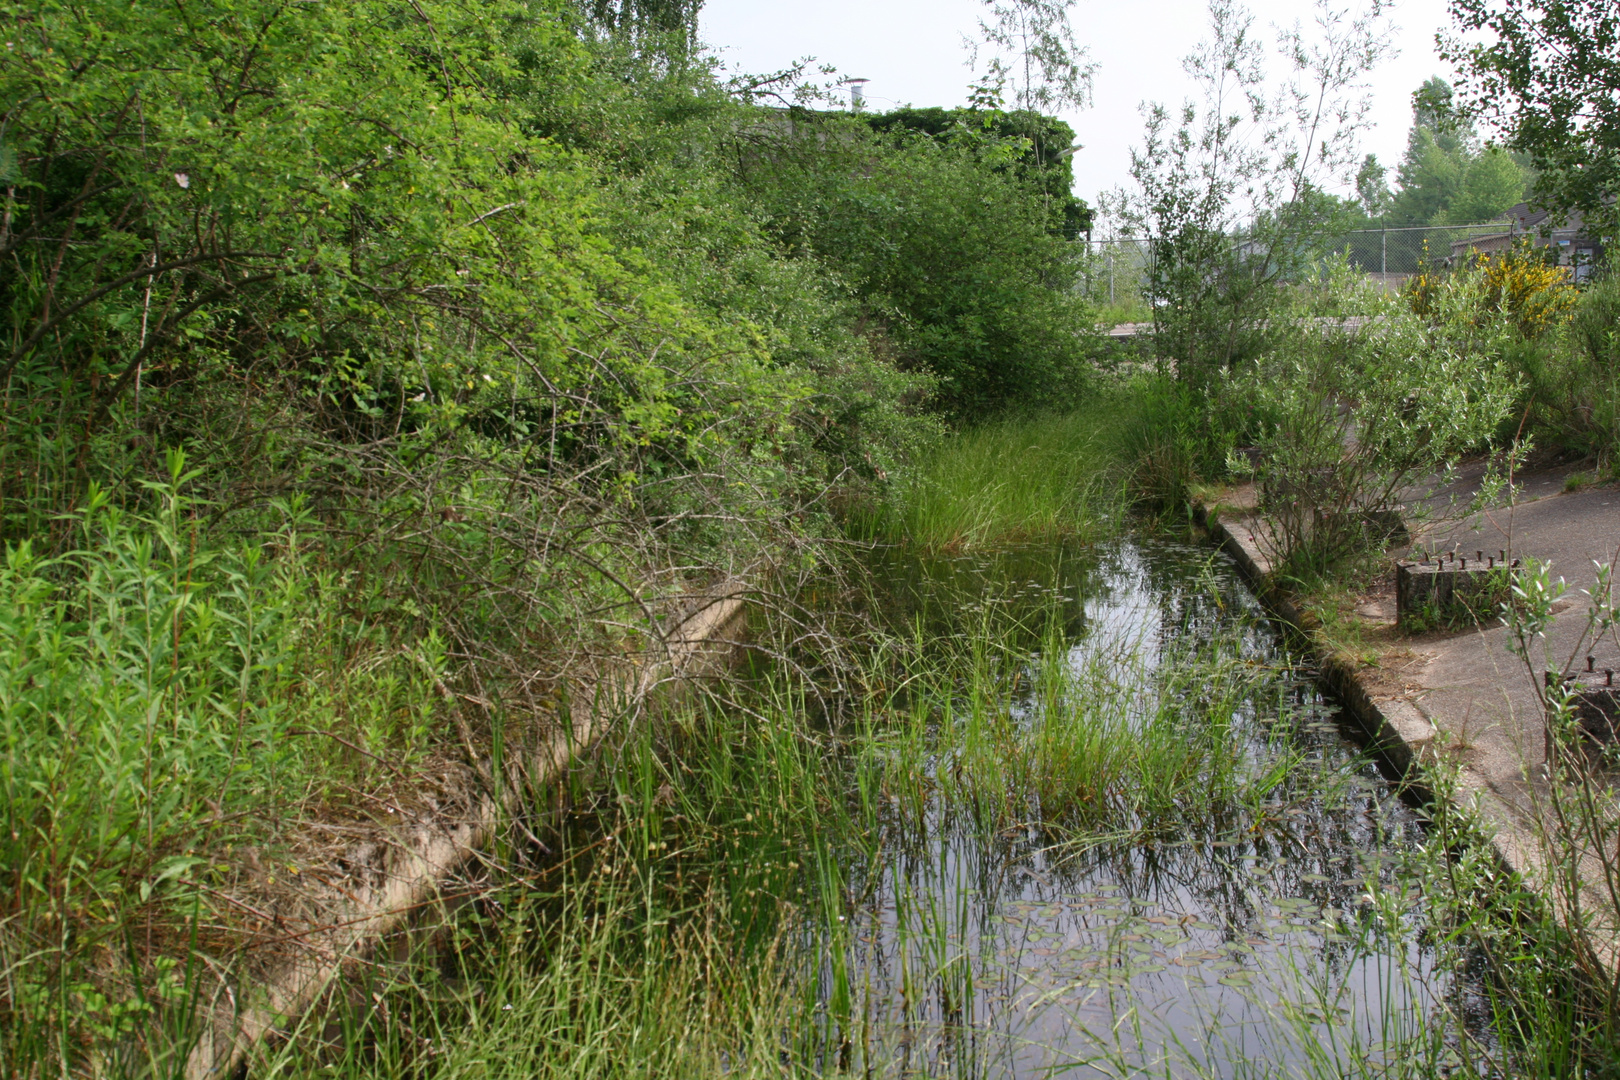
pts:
[1460, 698]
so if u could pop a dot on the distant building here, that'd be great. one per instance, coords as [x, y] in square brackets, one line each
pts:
[1567, 236]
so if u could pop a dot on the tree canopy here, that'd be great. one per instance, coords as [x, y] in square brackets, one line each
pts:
[1548, 75]
[1447, 176]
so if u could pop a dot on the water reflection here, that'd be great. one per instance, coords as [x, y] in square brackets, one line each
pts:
[1275, 935]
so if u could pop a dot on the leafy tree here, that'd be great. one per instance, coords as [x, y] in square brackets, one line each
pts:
[657, 16]
[1372, 187]
[1491, 184]
[1436, 153]
[1446, 177]
[1549, 76]
[1429, 177]
[954, 249]
[1231, 190]
[1033, 43]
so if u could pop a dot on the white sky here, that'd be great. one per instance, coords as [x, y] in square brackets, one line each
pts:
[912, 52]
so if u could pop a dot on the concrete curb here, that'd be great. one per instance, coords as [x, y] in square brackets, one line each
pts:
[1396, 730]
[418, 862]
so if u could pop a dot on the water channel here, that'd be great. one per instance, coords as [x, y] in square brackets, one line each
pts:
[1274, 927]
[1079, 813]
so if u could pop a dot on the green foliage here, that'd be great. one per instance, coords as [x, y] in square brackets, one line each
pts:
[1446, 177]
[1043, 166]
[1572, 377]
[1372, 187]
[164, 695]
[506, 301]
[1548, 73]
[1173, 437]
[1027, 479]
[1355, 417]
[1491, 184]
[962, 268]
[654, 16]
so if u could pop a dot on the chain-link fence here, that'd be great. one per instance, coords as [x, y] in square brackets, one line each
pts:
[1392, 256]
[1117, 271]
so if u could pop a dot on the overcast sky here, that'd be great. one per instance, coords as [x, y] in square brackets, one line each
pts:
[912, 52]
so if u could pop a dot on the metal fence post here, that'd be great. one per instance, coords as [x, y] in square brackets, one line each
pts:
[1110, 275]
[1383, 254]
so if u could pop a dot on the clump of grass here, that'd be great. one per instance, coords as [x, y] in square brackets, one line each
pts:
[1131, 310]
[1121, 733]
[1171, 439]
[162, 703]
[663, 930]
[1009, 481]
[586, 976]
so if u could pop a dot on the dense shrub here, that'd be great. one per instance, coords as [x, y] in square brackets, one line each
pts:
[956, 255]
[1572, 377]
[1561, 343]
[1356, 412]
[1535, 294]
[498, 304]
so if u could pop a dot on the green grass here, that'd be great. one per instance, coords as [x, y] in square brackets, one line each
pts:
[1132, 310]
[164, 699]
[1010, 481]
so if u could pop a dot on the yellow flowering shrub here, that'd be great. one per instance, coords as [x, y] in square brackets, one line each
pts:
[1535, 294]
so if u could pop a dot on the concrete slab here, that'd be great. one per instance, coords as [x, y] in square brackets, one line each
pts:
[1463, 696]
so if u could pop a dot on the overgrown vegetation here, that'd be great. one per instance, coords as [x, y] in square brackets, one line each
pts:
[1053, 477]
[1346, 406]
[1279, 364]
[374, 374]
[766, 888]
[376, 378]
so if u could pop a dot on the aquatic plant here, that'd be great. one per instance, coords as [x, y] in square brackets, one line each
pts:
[1007, 481]
[976, 856]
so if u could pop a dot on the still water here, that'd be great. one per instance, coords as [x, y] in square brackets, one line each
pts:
[1281, 933]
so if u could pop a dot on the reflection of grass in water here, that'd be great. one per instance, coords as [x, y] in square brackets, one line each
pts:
[1088, 739]
[1009, 480]
[745, 890]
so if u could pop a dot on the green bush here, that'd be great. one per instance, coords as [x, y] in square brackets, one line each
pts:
[1573, 377]
[958, 261]
[1356, 416]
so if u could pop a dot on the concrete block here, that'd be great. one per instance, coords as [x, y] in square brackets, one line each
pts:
[1450, 587]
[1597, 704]
[1595, 699]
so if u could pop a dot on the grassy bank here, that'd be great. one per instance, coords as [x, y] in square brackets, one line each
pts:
[359, 406]
[1008, 481]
